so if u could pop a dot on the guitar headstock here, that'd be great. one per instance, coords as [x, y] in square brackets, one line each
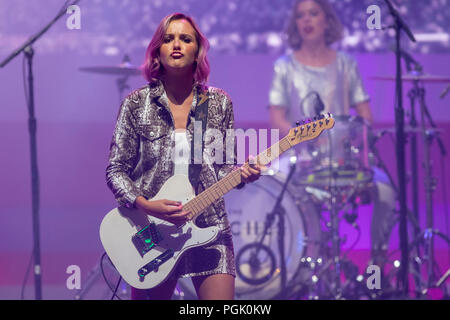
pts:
[310, 130]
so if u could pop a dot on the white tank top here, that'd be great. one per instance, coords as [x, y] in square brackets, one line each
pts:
[182, 153]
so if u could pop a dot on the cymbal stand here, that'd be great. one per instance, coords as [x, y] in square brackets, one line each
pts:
[335, 240]
[334, 255]
[430, 185]
[122, 82]
[426, 237]
[94, 274]
[413, 94]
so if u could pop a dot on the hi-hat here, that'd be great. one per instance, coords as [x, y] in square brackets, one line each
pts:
[413, 77]
[124, 69]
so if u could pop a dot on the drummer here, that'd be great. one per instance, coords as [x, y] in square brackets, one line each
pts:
[316, 79]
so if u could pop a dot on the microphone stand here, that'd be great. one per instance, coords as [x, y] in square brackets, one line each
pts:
[28, 51]
[279, 211]
[400, 25]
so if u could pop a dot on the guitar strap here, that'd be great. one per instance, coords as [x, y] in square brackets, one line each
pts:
[197, 143]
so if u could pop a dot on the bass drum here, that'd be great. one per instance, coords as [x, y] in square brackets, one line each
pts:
[258, 265]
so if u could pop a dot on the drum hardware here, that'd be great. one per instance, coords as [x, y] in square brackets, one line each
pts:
[424, 239]
[277, 212]
[415, 92]
[337, 179]
[346, 164]
[428, 78]
[380, 163]
[322, 282]
[325, 281]
[318, 195]
[260, 278]
[334, 209]
[427, 236]
[255, 261]
[444, 92]
[423, 245]
[125, 70]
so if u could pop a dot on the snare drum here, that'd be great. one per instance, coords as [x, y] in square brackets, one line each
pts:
[340, 155]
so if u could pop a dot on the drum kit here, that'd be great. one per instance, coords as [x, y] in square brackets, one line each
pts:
[313, 190]
[300, 256]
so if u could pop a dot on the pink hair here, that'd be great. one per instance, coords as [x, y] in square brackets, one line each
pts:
[152, 68]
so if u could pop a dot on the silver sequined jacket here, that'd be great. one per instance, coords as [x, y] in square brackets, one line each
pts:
[140, 158]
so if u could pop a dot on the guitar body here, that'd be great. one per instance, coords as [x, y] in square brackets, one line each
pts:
[145, 249]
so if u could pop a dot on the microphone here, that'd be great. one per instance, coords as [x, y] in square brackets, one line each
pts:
[318, 106]
[444, 92]
[374, 138]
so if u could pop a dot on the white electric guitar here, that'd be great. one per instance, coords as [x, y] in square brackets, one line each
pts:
[145, 249]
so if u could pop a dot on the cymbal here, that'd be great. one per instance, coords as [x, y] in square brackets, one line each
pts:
[124, 69]
[413, 77]
[407, 129]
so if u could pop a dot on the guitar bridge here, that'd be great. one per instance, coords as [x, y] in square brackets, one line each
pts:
[146, 239]
[155, 263]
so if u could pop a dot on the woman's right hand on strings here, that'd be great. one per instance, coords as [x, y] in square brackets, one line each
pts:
[171, 211]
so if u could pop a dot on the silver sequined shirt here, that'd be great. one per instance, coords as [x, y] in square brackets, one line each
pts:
[338, 84]
[141, 160]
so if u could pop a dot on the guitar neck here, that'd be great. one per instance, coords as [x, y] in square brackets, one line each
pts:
[301, 133]
[202, 201]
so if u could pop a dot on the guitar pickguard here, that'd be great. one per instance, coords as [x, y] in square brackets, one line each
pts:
[146, 239]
